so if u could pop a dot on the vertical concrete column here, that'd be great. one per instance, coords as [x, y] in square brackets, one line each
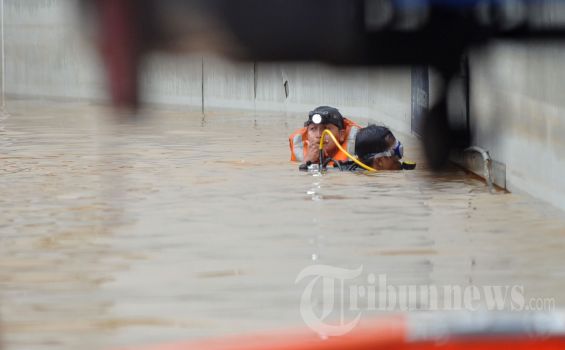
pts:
[2, 58]
[420, 97]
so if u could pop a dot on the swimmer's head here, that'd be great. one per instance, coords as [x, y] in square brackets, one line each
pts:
[322, 118]
[377, 147]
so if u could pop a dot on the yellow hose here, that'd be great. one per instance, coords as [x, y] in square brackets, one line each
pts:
[344, 151]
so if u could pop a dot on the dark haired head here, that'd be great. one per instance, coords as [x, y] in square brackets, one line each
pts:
[370, 140]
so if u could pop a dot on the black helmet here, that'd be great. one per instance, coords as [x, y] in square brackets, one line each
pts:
[325, 115]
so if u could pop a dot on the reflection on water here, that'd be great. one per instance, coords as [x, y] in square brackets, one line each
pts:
[178, 227]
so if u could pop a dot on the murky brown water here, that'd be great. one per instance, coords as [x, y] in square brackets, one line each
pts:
[178, 227]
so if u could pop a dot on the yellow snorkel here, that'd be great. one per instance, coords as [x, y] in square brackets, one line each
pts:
[406, 165]
[341, 149]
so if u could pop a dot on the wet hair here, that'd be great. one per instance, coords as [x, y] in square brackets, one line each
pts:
[331, 115]
[371, 140]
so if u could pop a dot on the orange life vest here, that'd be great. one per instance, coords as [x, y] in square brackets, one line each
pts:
[299, 147]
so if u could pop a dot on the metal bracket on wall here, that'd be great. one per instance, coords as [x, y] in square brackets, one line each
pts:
[479, 162]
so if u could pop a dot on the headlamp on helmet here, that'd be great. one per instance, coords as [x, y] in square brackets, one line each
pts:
[326, 115]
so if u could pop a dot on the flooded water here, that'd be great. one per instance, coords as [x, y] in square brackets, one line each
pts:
[180, 226]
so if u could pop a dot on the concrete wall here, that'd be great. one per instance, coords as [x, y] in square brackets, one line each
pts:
[380, 95]
[47, 55]
[518, 114]
[517, 107]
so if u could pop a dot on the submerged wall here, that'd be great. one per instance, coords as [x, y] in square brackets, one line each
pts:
[48, 55]
[517, 105]
[518, 114]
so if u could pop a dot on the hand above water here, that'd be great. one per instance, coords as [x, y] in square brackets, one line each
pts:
[313, 152]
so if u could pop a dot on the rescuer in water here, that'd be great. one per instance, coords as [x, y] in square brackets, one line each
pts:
[304, 143]
[377, 147]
